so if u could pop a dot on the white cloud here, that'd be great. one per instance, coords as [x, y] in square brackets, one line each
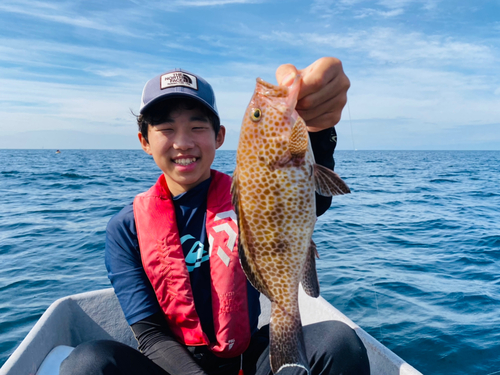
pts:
[428, 96]
[51, 13]
[366, 8]
[397, 4]
[214, 41]
[431, 4]
[204, 3]
[175, 5]
[188, 47]
[407, 87]
[366, 12]
[389, 45]
[65, 59]
[405, 82]
[108, 72]
[42, 105]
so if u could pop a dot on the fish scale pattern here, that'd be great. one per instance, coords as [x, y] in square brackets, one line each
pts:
[274, 196]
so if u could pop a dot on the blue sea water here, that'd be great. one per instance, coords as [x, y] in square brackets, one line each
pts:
[412, 255]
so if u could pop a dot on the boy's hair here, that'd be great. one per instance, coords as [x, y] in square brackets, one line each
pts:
[160, 112]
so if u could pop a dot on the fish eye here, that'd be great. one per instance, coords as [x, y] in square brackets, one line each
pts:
[255, 115]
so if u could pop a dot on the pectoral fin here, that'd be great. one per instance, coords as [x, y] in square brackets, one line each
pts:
[328, 183]
[310, 281]
[299, 139]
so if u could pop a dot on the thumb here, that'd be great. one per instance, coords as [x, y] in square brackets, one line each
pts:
[285, 74]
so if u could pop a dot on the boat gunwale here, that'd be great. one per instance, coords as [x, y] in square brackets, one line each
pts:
[91, 310]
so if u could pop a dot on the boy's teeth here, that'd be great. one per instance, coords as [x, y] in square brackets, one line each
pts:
[185, 161]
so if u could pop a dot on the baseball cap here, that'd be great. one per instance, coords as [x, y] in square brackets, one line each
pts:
[178, 83]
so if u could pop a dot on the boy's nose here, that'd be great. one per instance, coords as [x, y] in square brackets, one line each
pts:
[183, 142]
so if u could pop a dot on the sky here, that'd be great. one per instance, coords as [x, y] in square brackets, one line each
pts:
[425, 74]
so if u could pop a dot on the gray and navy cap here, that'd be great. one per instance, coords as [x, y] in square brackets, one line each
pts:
[175, 84]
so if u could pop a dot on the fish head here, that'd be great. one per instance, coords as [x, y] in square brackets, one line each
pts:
[269, 119]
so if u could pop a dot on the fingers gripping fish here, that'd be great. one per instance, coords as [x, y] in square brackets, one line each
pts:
[273, 191]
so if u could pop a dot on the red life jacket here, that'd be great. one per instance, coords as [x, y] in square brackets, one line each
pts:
[164, 263]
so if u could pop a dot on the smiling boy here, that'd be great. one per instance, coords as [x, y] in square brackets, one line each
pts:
[183, 145]
[157, 249]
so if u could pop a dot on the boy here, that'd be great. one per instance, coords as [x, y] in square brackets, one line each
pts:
[157, 250]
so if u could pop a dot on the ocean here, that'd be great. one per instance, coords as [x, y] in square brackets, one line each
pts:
[412, 255]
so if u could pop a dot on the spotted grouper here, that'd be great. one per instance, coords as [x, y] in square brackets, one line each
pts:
[273, 191]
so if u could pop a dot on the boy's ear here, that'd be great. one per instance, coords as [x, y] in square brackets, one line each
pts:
[144, 144]
[221, 135]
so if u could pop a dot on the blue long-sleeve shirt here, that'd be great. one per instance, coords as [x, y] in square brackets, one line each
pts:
[123, 259]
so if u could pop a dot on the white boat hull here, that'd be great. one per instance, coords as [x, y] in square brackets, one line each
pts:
[95, 315]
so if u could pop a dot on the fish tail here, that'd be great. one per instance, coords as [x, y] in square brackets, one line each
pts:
[286, 347]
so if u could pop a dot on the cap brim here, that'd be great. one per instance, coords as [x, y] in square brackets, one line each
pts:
[173, 95]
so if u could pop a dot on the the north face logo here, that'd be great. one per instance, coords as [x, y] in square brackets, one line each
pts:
[178, 79]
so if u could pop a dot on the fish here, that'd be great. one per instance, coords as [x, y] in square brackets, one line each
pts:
[273, 192]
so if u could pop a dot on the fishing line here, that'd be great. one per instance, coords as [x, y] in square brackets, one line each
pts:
[378, 313]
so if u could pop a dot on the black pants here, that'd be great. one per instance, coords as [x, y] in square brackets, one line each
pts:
[332, 348]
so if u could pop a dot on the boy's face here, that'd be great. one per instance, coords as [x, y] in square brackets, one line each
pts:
[184, 148]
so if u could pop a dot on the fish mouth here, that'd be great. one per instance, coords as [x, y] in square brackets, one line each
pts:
[267, 84]
[185, 160]
[270, 90]
[279, 104]
[282, 98]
